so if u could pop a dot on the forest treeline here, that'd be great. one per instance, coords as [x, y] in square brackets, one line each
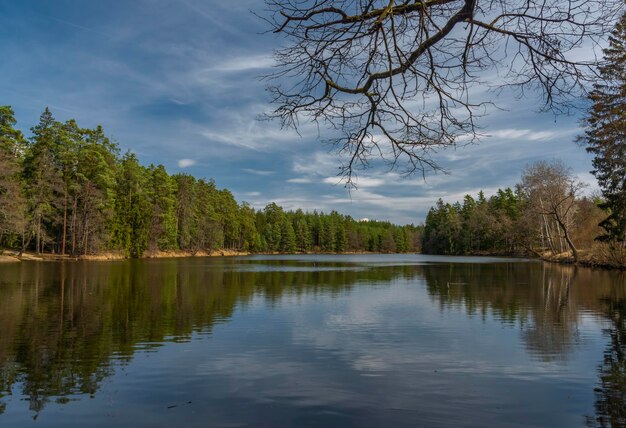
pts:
[68, 190]
[545, 215]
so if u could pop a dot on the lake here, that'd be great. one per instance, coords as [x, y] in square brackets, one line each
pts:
[312, 341]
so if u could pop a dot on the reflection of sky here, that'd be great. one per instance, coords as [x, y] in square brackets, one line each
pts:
[379, 355]
[176, 81]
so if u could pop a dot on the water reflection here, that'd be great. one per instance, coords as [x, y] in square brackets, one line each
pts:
[611, 393]
[64, 327]
[61, 324]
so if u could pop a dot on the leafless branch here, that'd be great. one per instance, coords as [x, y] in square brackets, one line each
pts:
[393, 78]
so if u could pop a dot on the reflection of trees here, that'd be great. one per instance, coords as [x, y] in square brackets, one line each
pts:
[546, 300]
[61, 324]
[553, 327]
[611, 393]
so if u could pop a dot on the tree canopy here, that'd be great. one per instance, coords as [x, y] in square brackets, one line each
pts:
[545, 214]
[67, 190]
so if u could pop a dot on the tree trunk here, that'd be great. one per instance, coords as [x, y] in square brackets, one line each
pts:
[568, 239]
[86, 238]
[74, 227]
[38, 245]
[64, 221]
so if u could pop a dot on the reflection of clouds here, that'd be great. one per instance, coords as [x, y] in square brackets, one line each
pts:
[420, 338]
[368, 363]
[360, 331]
[248, 366]
[263, 376]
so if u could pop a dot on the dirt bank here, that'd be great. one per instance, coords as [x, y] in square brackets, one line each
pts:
[9, 259]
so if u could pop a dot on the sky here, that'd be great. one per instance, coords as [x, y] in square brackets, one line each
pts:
[178, 82]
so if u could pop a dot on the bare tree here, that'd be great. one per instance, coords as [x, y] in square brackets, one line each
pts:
[394, 78]
[552, 191]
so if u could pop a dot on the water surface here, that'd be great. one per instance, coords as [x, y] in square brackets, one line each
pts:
[328, 341]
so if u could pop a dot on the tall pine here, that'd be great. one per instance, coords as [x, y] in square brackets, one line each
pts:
[605, 135]
[12, 203]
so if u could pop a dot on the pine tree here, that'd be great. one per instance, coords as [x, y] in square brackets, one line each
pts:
[12, 202]
[162, 226]
[186, 226]
[132, 207]
[94, 196]
[287, 236]
[605, 135]
[43, 179]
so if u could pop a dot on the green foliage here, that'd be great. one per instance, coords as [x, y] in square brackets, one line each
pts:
[12, 201]
[605, 134]
[162, 229]
[477, 226]
[67, 190]
[132, 207]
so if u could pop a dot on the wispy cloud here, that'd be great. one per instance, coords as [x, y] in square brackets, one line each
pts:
[81, 27]
[212, 17]
[317, 164]
[359, 182]
[243, 63]
[517, 134]
[259, 171]
[185, 163]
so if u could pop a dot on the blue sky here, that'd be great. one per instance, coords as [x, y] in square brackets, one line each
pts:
[177, 82]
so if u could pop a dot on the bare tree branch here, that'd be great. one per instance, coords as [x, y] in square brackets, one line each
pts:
[394, 77]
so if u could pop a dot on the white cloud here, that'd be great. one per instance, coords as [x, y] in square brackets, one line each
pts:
[317, 164]
[300, 180]
[363, 182]
[184, 163]
[258, 171]
[528, 134]
[243, 129]
[244, 63]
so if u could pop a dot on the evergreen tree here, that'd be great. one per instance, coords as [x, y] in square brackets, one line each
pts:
[186, 224]
[249, 238]
[43, 179]
[287, 236]
[303, 233]
[227, 212]
[70, 143]
[162, 228]
[12, 201]
[327, 234]
[132, 207]
[273, 230]
[92, 213]
[209, 230]
[605, 134]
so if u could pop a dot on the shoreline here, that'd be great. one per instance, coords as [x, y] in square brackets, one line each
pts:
[13, 257]
[585, 260]
[564, 259]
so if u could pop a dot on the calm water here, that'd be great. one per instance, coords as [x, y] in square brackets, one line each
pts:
[325, 341]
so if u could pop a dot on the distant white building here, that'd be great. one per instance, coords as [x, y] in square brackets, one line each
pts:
[365, 220]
